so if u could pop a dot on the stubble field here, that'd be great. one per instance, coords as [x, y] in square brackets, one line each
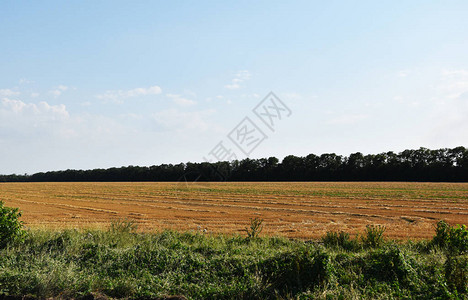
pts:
[291, 209]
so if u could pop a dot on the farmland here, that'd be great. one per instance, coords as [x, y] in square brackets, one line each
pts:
[293, 209]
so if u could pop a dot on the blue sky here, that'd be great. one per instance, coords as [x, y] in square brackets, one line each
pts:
[88, 84]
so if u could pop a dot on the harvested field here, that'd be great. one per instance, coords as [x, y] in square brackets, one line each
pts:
[292, 209]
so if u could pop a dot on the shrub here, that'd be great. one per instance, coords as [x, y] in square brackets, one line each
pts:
[388, 265]
[11, 228]
[452, 238]
[456, 273]
[255, 228]
[458, 239]
[373, 237]
[296, 271]
[339, 240]
[441, 237]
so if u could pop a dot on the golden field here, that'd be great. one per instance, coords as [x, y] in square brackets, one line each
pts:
[291, 209]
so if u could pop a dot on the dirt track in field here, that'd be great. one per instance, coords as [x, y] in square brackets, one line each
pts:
[299, 210]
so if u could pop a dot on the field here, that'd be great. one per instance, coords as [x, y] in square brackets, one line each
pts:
[290, 209]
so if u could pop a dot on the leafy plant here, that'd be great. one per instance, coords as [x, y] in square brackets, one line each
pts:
[452, 238]
[373, 237]
[123, 226]
[458, 238]
[255, 228]
[11, 228]
[388, 265]
[456, 272]
[338, 240]
[297, 270]
[442, 230]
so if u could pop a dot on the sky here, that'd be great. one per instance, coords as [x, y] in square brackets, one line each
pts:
[99, 84]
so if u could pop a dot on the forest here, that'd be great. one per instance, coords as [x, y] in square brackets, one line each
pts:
[440, 165]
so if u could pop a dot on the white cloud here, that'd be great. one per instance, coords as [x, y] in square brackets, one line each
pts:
[42, 108]
[455, 72]
[295, 96]
[233, 86]
[449, 115]
[181, 101]
[347, 119]
[119, 95]
[8, 93]
[240, 77]
[454, 83]
[34, 95]
[403, 101]
[403, 73]
[25, 81]
[58, 90]
[177, 120]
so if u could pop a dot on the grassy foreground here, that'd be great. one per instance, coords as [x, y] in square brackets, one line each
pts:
[119, 263]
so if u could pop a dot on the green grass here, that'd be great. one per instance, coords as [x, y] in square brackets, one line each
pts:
[120, 263]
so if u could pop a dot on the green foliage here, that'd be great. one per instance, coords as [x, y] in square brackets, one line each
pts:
[255, 228]
[442, 230]
[456, 272]
[458, 239]
[373, 236]
[123, 226]
[295, 271]
[452, 238]
[11, 228]
[114, 264]
[388, 265]
[340, 239]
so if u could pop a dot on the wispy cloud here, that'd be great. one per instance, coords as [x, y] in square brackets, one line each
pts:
[239, 78]
[8, 93]
[120, 95]
[181, 101]
[403, 73]
[347, 119]
[58, 90]
[449, 112]
[25, 81]
[454, 83]
[174, 119]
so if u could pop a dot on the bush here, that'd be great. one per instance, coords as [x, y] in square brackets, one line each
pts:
[441, 237]
[340, 239]
[456, 273]
[296, 271]
[11, 228]
[458, 239]
[373, 237]
[452, 238]
[389, 265]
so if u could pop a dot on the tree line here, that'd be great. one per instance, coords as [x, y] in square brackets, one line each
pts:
[410, 165]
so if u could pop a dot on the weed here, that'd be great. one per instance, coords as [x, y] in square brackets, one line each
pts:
[123, 226]
[339, 240]
[373, 237]
[256, 227]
